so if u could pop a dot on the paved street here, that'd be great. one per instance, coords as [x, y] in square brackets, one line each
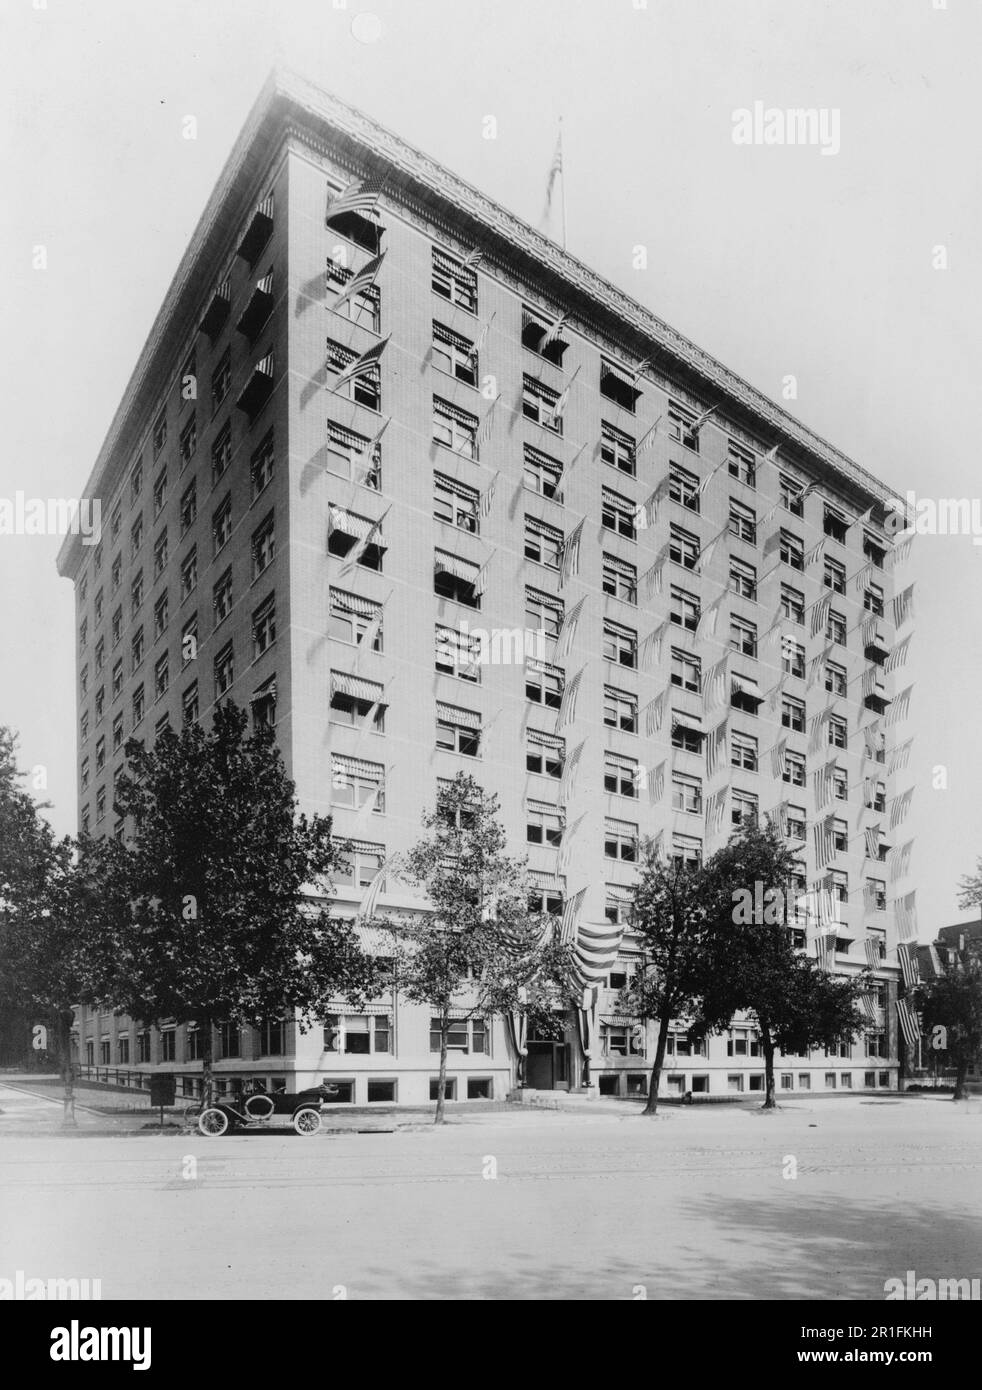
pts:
[583, 1206]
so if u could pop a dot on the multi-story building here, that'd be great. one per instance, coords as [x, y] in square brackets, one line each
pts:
[429, 494]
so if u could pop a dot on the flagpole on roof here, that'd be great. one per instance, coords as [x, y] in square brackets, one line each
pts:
[562, 175]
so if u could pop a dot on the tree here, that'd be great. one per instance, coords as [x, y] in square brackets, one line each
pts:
[477, 952]
[970, 888]
[211, 906]
[668, 916]
[43, 964]
[751, 963]
[951, 1006]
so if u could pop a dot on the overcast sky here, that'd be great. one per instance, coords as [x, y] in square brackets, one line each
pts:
[779, 260]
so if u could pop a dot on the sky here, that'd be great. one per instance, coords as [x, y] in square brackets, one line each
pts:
[856, 272]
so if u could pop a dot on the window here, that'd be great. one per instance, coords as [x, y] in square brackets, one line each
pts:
[839, 883]
[743, 751]
[686, 671]
[364, 306]
[263, 704]
[620, 775]
[620, 578]
[793, 714]
[542, 474]
[221, 599]
[620, 645]
[618, 902]
[455, 503]
[617, 386]
[792, 604]
[840, 836]
[189, 704]
[835, 678]
[684, 611]
[454, 428]
[879, 802]
[543, 824]
[159, 432]
[686, 733]
[792, 550]
[348, 456]
[544, 753]
[741, 463]
[873, 550]
[458, 653]
[791, 496]
[543, 543]
[221, 452]
[221, 380]
[535, 328]
[138, 705]
[617, 449]
[621, 840]
[458, 730]
[454, 281]
[136, 480]
[189, 506]
[229, 1040]
[873, 600]
[356, 783]
[261, 466]
[263, 627]
[160, 616]
[100, 654]
[365, 387]
[224, 670]
[620, 710]
[544, 684]
[792, 657]
[160, 554]
[264, 546]
[539, 404]
[136, 648]
[136, 535]
[743, 808]
[117, 733]
[188, 441]
[159, 492]
[454, 354]
[683, 548]
[363, 860]
[465, 1035]
[742, 1042]
[221, 525]
[619, 1040]
[686, 794]
[352, 617]
[840, 784]
[457, 579]
[837, 732]
[617, 514]
[835, 524]
[116, 573]
[683, 487]
[84, 776]
[358, 1034]
[794, 770]
[743, 579]
[743, 522]
[161, 677]
[686, 852]
[100, 702]
[743, 636]
[543, 613]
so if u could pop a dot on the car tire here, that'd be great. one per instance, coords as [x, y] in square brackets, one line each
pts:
[213, 1122]
[307, 1120]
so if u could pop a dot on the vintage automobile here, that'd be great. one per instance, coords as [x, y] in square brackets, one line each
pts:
[266, 1110]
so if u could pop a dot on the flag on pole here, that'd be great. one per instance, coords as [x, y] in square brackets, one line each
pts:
[647, 439]
[900, 708]
[482, 336]
[356, 553]
[362, 366]
[898, 657]
[571, 912]
[872, 836]
[816, 553]
[900, 861]
[899, 806]
[903, 606]
[566, 635]
[487, 497]
[569, 564]
[909, 1024]
[872, 945]
[654, 714]
[552, 333]
[656, 784]
[570, 768]
[487, 424]
[361, 280]
[697, 424]
[567, 705]
[907, 957]
[366, 457]
[820, 615]
[560, 406]
[359, 196]
[472, 260]
[369, 900]
[900, 757]
[905, 910]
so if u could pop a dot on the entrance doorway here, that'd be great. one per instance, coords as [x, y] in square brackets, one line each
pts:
[547, 1067]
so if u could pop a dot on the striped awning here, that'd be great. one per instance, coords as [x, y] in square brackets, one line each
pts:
[542, 528]
[456, 565]
[546, 740]
[442, 334]
[348, 523]
[442, 260]
[339, 434]
[341, 763]
[343, 683]
[546, 668]
[542, 600]
[688, 721]
[544, 806]
[462, 718]
[619, 1020]
[541, 879]
[339, 1008]
[362, 847]
[743, 685]
[453, 412]
[449, 484]
[342, 602]
[264, 367]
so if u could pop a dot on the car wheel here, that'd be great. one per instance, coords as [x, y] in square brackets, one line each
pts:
[307, 1120]
[213, 1122]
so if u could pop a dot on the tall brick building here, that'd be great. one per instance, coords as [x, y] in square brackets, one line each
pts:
[429, 494]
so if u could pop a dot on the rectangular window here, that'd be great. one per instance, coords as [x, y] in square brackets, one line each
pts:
[539, 404]
[221, 599]
[543, 824]
[136, 481]
[356, 783]
[188, 441]
[792, 550]
[224, 670]
[683, 548]
[838, 732]
[743, 636]
[743, 579]
[686, 734]
[160, 616]
[159, 492]
[161, 677]
[543, 543]
[686, 671]
[454, 354]
[741, 463]
[136, 535]
[542, 474]
[620, 710]
[617, 514]
[263, 627]
[221, 525]
[160, 555]
[873, 600]
[620, 578]
[458, 730]
[189, 573]
[189, 506]
[189, 704]
[364, 306]
[138, 705]
[743, 751]
[456, 579]
[683, 487]
[534, 329]
[791, 496]
[362, 862]
[621, 840]
[618, 386]
[117, 733]
[544, 753]
[743, 522]
[793, 714]
[159, 432]
[543, 612]
[365, 388]
[455, 503]
[263, 546]
[116, 573]
[685, 609]
[686, 794]
[221, 452]
[136, 649]
[221, 380]
[794, 770]
[792, 604]
[352, 700]
[454, 428]
[620, 775]
[792, 657]
[544, 684]
[835, 524]
[744, 808]
[680, 422]
[835, 678]
[352, 617]
[686, 852]
[454, 281]
[834, 576]
[620, 645]
[458, 654]
[617, 449]
[261, 466]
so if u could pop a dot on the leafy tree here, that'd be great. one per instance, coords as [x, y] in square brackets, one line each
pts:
[751, 963]
[43, 964]
[477, 952]
[970, 888]
[668, 916]
[951, 1006]
[210, 906]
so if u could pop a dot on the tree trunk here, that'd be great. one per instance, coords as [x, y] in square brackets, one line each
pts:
[207, 1075]
[441, 1085]
[770, 1101]
[63, 1027]
[651, 1108]
[960, 1075]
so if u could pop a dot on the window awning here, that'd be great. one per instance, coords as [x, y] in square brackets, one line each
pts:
[453, 412]
[462, 718]
[357, 767]
[542, 600]
[348, 523]
[743, 685]
[620, 1021]
[343, 683]
[546, 740]
[455, 565]
[354, 604]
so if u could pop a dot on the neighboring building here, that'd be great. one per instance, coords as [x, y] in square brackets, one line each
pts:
[522, 467]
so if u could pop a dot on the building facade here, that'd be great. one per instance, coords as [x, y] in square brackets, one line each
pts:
[425, 492]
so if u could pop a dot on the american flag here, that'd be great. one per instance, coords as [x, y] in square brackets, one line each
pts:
[567, 706]
[571, 912]
[900, 757]
[355, 555]
[872, 944]
[900, 861]
[900, 708]
[909, 969]
[552, 333]
[903, 606]
[820, 615]
[560, 406]
[824, 842]
[898, 657]
[566, 635]
[361, 280]
[364, 365]
[472, 260]
[867, 1007]
[906, 915]
[901, 554]
[360, 196]
[646, 441]
[654, 714]
[697, 425]
[369, 900]
[815, 553]
[909, 1024]
[899, 806]
[872, 834]
[656, 784]
[570, 769]
[487, 497]
[570, 562]
[778, 762]
[487, 424]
